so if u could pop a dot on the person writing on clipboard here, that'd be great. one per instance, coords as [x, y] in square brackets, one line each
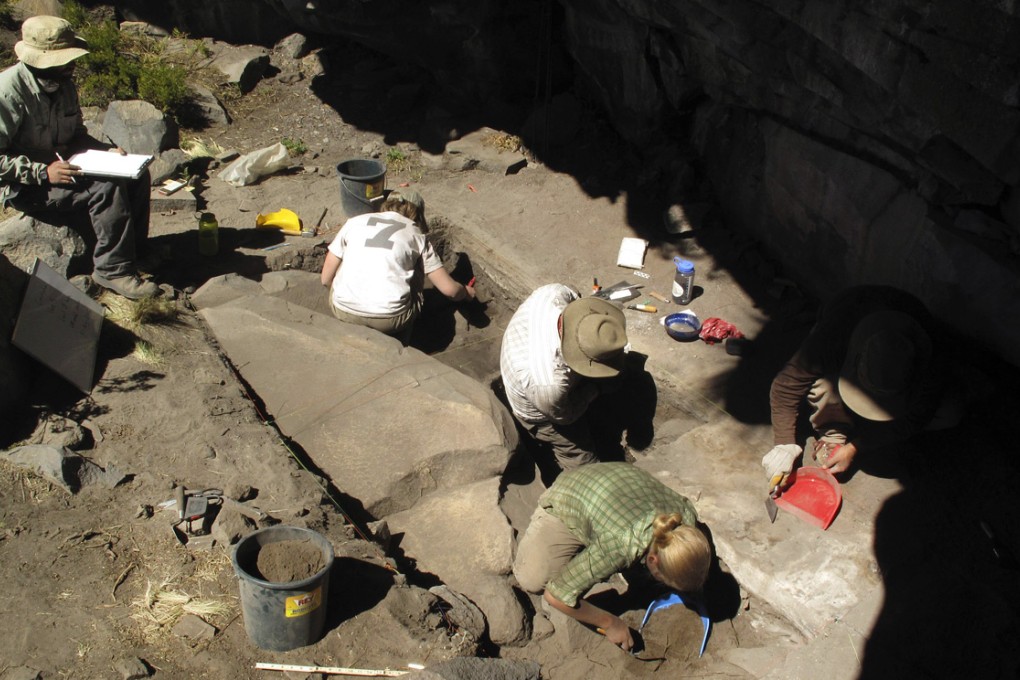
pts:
[41, 126]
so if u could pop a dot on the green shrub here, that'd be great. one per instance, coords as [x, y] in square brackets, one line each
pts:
[162, 85]
[295, 147]
[75, 14]
[104, 75]
[118, 67]
[6, 15]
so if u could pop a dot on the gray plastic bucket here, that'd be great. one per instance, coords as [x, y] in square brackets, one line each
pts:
[362, 183]
[281, 616]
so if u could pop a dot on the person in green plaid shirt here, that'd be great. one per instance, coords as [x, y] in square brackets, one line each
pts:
[601, 518]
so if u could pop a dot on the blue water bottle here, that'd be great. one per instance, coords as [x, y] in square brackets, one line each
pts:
[683, 281]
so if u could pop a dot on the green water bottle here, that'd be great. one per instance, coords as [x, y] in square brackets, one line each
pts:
[208, 234]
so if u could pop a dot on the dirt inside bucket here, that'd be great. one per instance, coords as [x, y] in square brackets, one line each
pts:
[288, 561]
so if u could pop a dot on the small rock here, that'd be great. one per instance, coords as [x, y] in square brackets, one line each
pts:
[132, 668]
[97, 434]
[143, 28]
[380, 531]
[193, 628]
[294, 46]
[229, 526]
[463, 613]
[228, 155]
[22, 673]
[60, 432]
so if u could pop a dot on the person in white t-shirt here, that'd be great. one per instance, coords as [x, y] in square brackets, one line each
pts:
[376, 267]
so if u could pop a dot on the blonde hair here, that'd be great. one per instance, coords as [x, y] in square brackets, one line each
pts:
[683, 551]
[397, 204]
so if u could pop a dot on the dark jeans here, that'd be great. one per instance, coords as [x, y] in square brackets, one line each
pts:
[117, 209]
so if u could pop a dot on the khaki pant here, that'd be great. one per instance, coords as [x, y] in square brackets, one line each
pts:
[829, 416]
[398, 326]
[571, 444]
[544, 550]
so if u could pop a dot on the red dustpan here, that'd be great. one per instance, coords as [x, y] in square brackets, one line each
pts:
[813, 495]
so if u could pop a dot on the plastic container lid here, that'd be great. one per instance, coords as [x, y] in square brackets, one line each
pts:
[683, 266]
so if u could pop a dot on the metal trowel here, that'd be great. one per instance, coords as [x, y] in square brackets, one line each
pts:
[770, 500]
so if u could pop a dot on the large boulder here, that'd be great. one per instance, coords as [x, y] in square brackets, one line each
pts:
[387, 423]
[23, 239]
[462, 536]
[242, 66]
[139, 127]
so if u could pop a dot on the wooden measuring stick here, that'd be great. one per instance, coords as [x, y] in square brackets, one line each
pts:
[330, 670]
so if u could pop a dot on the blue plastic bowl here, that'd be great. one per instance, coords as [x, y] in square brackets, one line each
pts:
[682, 326]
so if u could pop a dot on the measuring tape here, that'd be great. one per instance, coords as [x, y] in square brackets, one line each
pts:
[334, 670]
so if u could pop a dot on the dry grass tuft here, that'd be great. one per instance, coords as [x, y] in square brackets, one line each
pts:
[199, 148]
[505, 142]
[162, 605]
[27, 486]
[211, 568]
[131, 315]
[147, 354]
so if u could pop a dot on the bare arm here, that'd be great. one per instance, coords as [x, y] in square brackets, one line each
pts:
[615, 629]
[445, 284]
[329, 269]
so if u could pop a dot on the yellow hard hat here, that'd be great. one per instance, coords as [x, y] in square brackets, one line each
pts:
[285, 220]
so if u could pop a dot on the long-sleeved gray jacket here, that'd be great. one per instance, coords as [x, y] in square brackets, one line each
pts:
[35, 127]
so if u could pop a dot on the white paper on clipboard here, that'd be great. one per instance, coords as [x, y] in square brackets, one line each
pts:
[99, 163]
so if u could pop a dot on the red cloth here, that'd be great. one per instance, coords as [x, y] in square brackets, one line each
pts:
[715, 330]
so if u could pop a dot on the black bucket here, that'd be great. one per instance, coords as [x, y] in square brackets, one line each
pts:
[362, 183]
[282, 616]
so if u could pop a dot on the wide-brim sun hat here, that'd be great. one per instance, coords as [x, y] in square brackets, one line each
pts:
[594, 336]
[48, 42]
[887, 356]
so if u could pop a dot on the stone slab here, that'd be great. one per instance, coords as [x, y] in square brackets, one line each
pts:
[387, 423]
[180, 201]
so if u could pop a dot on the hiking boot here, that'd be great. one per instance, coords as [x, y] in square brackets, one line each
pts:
[128, 285]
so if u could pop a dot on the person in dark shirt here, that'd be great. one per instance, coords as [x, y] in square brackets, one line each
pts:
[872, 373]
[41, 126]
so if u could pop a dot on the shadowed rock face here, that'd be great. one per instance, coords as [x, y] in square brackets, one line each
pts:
[860, 143]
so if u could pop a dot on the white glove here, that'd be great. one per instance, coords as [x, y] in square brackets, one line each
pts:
[778, 463]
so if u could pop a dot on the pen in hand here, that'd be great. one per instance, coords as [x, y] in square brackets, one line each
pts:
[61, 159]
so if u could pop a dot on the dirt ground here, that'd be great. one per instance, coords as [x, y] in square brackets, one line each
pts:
[98, 583]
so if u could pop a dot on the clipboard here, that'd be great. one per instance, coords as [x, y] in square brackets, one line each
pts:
[59, 325]
[99, 163]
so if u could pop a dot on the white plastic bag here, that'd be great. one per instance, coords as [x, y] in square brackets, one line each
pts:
[251, 166]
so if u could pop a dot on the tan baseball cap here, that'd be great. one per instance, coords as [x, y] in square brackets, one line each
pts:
[47, 42]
